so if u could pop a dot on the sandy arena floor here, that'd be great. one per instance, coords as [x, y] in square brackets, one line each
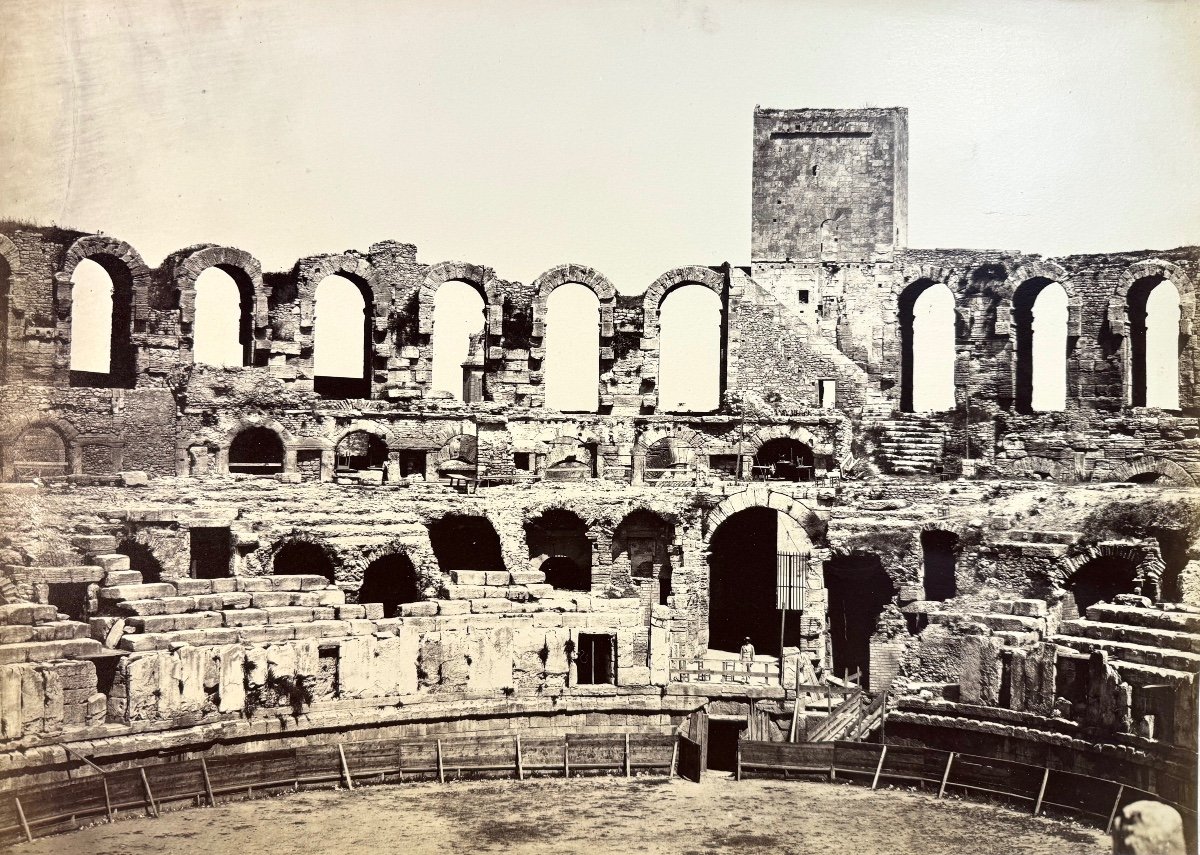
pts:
[591, 816]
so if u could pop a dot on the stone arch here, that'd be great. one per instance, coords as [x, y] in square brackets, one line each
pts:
[482, 279]
[373, 428]
[582, 274]
[1152, 465]
[1056, 470]
[317, 543]
[801, 434]
[246, 271]
[757, 496]
[921, 281]
[1042, 269]
[65, 431]
[1144, 556]
[1118, 304]
[131, 280]
[358, 270]
[11, 254]
[652, 300]
[657, 432]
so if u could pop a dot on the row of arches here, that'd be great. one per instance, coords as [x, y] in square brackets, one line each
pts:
[1041, 332]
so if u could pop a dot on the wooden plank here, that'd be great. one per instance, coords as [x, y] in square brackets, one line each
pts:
[24, 824]
[345, 768]
[1113, 813]
[879, 768]
[441, 772]
[520, 771]
[1037, 806]
[566, 757]
[946, 775]
[212, 801]
[627, 758]
[108, 810]
[149, 795]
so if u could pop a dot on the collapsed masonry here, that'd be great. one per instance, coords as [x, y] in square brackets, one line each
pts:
[190, 547]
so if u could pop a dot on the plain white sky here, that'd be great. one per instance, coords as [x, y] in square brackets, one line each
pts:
[617, 134]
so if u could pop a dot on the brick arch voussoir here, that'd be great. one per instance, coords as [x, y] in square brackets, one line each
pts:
[358, 270]
[676, 278]
[1158, 465]
[695, 439]
[11, 254]
[758, 497]
[483, 279]
[563, 274]
[764, 435]
[1118, 303]
[1043, 269]
[372, 428]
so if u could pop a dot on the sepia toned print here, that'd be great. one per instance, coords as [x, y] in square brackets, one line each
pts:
[845, 545]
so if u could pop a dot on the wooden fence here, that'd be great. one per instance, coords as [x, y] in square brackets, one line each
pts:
[25, 814]
[1041, 786]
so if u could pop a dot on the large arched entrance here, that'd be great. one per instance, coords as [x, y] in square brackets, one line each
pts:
[256, 451]
[465, 543]
[390, 580]
[745, 554]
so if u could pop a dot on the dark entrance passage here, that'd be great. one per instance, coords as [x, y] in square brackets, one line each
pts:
[784, 459]
[858, 591]
[939, 548]
[465, 543]
[211, 550]
[302, 557]
[1100, 580]
[390, 580]
[141, 560]
[742, 578]
[723, 744]
[256, 451]
[595, 659]
[562, 537]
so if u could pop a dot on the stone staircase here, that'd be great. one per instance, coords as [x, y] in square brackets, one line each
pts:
[911, 444]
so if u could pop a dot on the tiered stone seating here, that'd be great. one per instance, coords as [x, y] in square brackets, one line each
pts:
[1145, 644]
[240, 610]
[1017, 623]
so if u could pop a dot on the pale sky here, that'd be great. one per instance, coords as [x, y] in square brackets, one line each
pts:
[526, 134]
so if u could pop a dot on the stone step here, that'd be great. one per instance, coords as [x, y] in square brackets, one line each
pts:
[1030, 536]
[1186, 641]
[72, 574]
[48, 651]
[58, 630]
[27, 614]
[115, 578]
[137, 592]
[1177, 621]
[171, 623]
[479, 577]
[995, 621]
[1138, 654]
[112, 561]
[95, 544]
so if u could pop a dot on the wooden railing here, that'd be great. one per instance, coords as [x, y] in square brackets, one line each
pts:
[714, 670]
[1041, 786]
[147, 788]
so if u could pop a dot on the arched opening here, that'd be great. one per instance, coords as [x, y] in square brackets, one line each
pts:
[390, 580]
[465, 543]
[341, 338]
[358, 451]
[689, 348]
[744, 559]
[1154, 343]
[572, 362]
[1040, 318]
[1098, 581]
[302, 558]
[222, 327]
[939, 550]
[784, 459]
[101, 316]
[927, 334]
[858, 590]
[256, 451]
[141, 560]
[39, 452]
[641, 546]
[5, 320]
[458, 318]
[561, 536]
[669, 459]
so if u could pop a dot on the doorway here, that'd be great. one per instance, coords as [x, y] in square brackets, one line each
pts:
[723, 736]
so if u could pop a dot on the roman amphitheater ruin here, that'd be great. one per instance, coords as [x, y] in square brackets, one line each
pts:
[946, 494]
